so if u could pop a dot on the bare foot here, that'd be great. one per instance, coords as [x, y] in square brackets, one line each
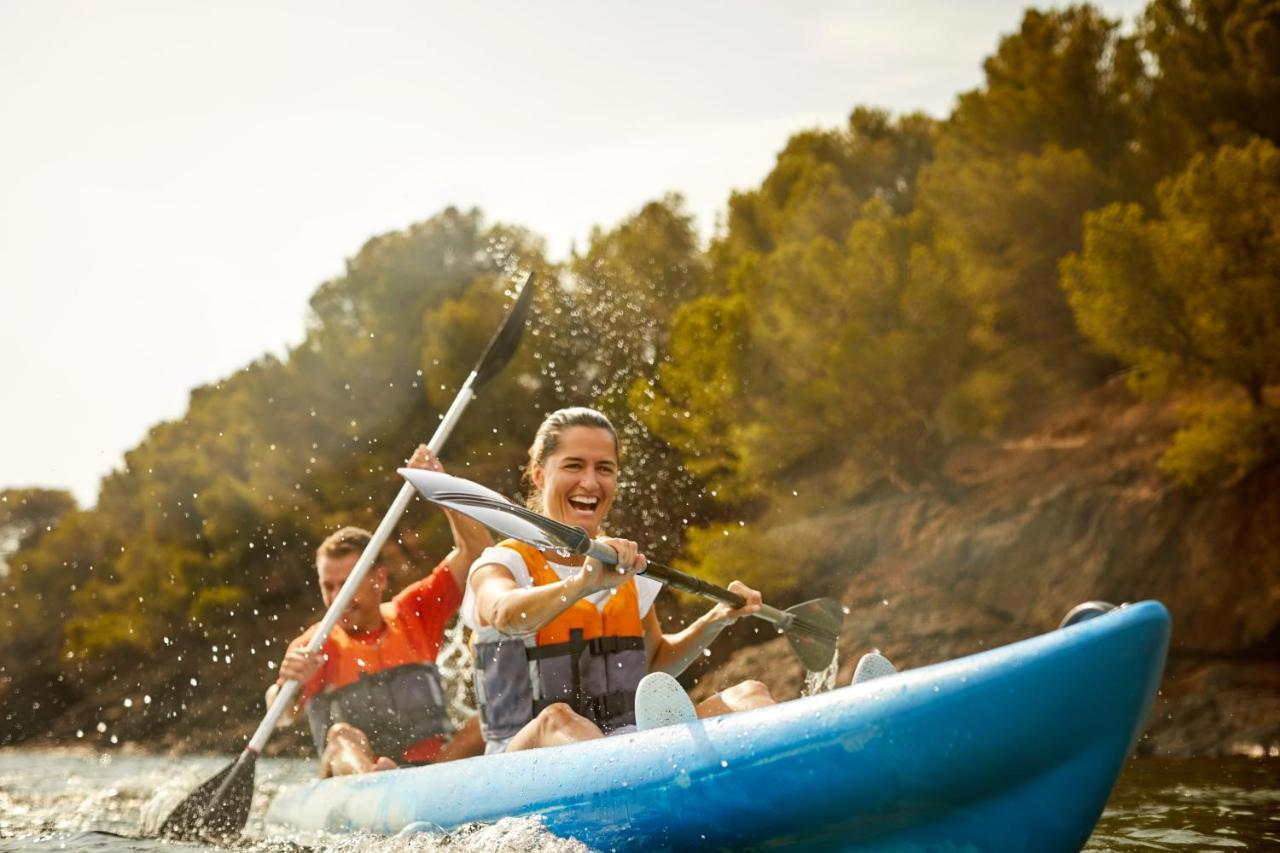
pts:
[383, 763]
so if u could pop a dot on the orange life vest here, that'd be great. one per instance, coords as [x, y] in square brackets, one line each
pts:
[587, 657]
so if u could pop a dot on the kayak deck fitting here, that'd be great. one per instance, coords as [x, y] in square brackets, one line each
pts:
[1016, 748]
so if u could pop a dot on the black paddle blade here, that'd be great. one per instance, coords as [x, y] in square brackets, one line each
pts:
[814, 631]
[504, 342]
[218, 808]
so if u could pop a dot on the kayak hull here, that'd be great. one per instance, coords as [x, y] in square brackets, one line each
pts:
[1016, 748]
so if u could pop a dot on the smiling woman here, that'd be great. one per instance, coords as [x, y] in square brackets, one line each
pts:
[562, 643]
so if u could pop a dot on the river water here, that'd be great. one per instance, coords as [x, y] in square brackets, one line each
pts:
[105, 803]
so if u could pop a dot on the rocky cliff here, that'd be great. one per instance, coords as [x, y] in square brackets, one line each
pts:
[1074, 510]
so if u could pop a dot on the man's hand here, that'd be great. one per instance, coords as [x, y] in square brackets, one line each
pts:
[424, 459]
[300, 665]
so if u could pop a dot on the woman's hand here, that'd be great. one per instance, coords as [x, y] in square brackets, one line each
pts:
[598, 576]
[723, 614]
[424, 459]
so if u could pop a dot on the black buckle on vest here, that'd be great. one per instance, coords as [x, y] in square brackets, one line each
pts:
[574, 645]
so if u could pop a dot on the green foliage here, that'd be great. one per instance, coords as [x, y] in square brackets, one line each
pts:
[1018, 164]
[1063, 79]
[799, 299]
[1010, 219]
[1223, 440]
[1216, 78]
[724, 552]
[218, 602]
[108, 638]
[1192, 296]
[865, 343]
[822, 179]
[692, 401]
[26, 515]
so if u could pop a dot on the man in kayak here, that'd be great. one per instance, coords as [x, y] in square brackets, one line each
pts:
[372, 693]
[562, 645]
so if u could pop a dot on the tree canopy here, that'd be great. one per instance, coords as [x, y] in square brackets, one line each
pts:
[1192, 299]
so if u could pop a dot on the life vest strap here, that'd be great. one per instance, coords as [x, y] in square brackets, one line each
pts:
[610, 645]
[575, 645]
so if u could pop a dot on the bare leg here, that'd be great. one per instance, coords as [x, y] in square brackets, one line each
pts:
[557, 725]
[466, 742]
[347, 751]
[740, 697]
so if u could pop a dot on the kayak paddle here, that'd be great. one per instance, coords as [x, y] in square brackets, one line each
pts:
[812, 627]
[220, 807]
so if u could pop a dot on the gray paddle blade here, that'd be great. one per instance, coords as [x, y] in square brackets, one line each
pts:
[484, 505]
[814, 631]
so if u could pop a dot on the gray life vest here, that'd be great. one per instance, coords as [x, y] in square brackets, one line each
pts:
[597, 678]
[395, 708]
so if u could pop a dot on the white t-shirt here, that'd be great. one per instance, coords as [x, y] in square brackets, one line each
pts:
[647, 589]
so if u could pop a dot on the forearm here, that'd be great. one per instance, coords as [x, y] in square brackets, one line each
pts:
[470, 538]
[675, 652]
[523, 610]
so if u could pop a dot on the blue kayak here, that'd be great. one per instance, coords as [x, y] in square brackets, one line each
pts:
[1016, 748]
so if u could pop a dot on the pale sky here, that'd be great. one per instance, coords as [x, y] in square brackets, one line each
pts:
[176, 178]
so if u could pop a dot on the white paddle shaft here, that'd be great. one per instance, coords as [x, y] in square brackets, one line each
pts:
[284, 698]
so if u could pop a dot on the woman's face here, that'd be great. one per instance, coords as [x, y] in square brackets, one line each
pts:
[579, 480]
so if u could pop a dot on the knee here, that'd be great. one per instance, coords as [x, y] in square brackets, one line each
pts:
[558, 717]
[752, 692]
[344, 732]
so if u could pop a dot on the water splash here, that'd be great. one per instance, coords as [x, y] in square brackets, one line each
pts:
[74, 800]
[821, 682]
[455, 665]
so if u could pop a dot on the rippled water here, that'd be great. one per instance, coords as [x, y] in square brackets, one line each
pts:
[1193, 805]
[52, 800]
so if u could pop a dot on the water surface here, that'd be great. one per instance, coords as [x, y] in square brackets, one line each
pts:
[104, 803]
